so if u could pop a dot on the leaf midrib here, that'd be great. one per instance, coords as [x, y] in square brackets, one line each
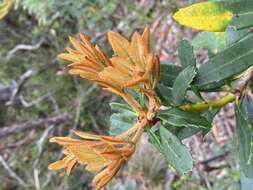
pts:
[222, 66]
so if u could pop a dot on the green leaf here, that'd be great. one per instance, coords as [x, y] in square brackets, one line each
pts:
[120, 108]
[246, 183]
[178, 118]
[182, 83]
[187, 132]
[209, 16]
[165, 94]
[245, 138]
[186, 54]
[226, 64]
[247, 108]
[154, 140]
[122, 119]
[214, 42]
[170, 146]
[169, 72]
[234, 36]
[243, 13]
[137, 95]
[177, 154]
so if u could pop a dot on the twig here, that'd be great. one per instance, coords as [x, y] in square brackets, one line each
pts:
[34, 102]
[40, 143]
[12, 173]
[29, 125]
[24, 47]
[36, 178]
[18, 86]
[56, 106]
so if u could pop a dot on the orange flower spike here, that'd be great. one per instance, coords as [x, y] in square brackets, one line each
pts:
[137, 53]
[146, 40]
[104, 177]
[134, 63]
[120, 44]
[96, 152]
[88, 61]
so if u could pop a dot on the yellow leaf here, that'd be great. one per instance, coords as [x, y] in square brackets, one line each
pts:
[209, 16]
[4, 8]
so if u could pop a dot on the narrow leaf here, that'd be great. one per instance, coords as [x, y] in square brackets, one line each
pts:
[187, 132]
[214, 42]
[169, 72]
[226, 64]
[165, 94]
[186, 54]
[178, 118]
[234, 35]
[177, 155]
[243, 11]
[245, 139]
[120, 108]
[154, 140]
[182, 83]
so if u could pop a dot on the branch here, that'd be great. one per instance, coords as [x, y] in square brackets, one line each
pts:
[24, 47]
[33, 46]
[12, 173]
[19, 85]
[34, 102]
[29, 125]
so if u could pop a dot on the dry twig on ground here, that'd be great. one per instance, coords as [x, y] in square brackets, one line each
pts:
[29, 125]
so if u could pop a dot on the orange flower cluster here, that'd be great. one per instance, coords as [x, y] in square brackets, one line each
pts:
[133, 66]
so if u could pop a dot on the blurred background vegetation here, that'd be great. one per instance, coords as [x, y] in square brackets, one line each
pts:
[38, 100]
